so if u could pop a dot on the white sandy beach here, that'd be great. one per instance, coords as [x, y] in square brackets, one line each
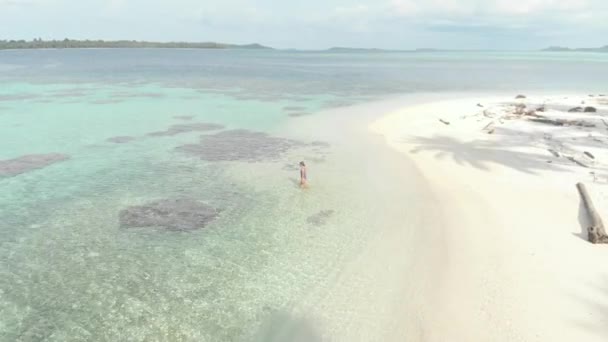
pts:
[515, 263]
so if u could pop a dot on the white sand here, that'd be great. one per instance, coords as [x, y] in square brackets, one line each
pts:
[516, 264]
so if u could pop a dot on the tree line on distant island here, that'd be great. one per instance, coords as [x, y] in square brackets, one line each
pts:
[39, 43]
[84, 44]
[565, 49]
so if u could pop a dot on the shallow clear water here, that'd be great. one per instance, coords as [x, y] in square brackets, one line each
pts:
[68, 271]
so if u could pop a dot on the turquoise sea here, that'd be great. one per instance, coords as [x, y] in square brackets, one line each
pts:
[174, 135]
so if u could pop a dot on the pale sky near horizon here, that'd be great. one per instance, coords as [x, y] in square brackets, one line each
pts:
[317, 24]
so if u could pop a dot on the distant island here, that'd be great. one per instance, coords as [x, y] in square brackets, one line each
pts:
[134, 44]
[348, 49]
[368, 50]
[565, 49]
[116, 44]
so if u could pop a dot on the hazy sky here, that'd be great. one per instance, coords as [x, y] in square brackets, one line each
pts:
[498, 24]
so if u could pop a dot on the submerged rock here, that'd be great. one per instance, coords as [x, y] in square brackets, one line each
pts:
[239, 145]
[70, 93]
[320, 218]
[18, 97]
[173, 214]
[520, 96]
[130, 94]
[184, 117]
[318, 143]
[13, 167]
[575, 110]
[121, 139]
[186, 128]
[107, 101]
[294, 108]
[298, 114]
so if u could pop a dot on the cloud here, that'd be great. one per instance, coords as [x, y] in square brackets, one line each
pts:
[539, 6]
[116, 5]
[356, 10]
[504, 14]
[497, 7]
[313, 23]
[16, 3]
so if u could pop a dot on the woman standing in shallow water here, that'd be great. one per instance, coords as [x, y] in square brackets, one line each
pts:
[303, 178]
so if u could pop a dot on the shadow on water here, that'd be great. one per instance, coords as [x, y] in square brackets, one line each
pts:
[284, 327]
[295, 182]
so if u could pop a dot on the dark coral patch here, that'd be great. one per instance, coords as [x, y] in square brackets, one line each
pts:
[106, 101]
[320, 218]
[184, 117]
[182, 214]
[13, 167]
[298, 114]
[294, 108]
[239, 145]
[186, 128]
[128, 95]
[121, 139]
[18, 97]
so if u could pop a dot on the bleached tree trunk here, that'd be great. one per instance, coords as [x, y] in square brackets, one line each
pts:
[595, 232]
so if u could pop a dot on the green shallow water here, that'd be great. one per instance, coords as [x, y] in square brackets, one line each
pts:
[69, 272]
[262, 270]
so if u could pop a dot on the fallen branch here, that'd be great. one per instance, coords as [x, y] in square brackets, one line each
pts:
[562, 122]
[444, 122]
[487, 126]
[532, 113]
[577, 162]
[580, 123]
[487, 114]
[549, 121]
[576, 109]
[588, 154]
[595, 232]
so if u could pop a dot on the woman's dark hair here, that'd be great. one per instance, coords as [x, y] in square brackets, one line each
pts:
[302, 163]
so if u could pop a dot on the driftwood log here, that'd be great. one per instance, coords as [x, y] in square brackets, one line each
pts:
[595, 232]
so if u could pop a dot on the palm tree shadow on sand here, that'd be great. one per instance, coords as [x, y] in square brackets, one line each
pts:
[480, 153]
[595, 299]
